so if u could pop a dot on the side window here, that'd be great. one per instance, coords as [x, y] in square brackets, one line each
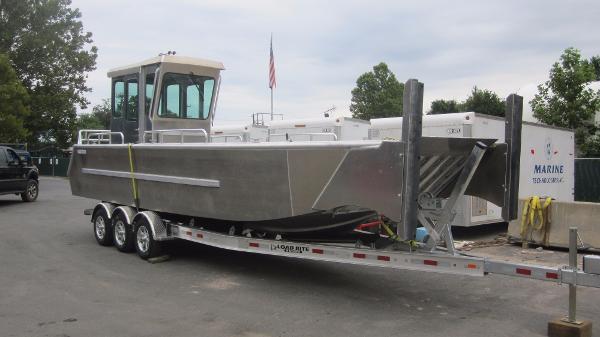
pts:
[169, 105]
[3, 159]
[118, 99]
[192, 109]
[209, 85]
[132, 100]
[12, 156]
[149, 91]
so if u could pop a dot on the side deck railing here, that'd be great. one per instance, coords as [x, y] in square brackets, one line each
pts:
[158, 136]
[100, 137]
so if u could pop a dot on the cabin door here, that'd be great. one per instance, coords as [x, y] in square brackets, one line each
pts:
[125, 107]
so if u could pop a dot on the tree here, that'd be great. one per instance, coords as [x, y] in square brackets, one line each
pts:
[565, 100]
[89, 121]
[377, 94]
[102, 112]
[13, 104]
[441, 106]
[51, 54]
[595, 61]
[485, 102]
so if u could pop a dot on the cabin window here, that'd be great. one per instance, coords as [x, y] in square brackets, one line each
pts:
[186, 96]
[118, 99]
[149, 90]
[132, 100]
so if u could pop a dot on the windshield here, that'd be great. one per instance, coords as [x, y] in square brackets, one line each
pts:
[186, 96]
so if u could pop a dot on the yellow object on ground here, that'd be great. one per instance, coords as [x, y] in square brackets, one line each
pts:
[536, 217]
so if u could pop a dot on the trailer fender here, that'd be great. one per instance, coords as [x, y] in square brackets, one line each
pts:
[108, 208]
[127, 211]
[158, 227]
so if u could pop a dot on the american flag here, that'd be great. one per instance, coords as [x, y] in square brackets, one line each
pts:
[272, 82]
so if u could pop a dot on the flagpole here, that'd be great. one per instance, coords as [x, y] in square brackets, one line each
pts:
[271, 103]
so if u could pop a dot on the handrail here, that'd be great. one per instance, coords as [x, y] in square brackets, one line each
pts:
[239, 137]
[177, 132]
[87, 136]
[309, 134]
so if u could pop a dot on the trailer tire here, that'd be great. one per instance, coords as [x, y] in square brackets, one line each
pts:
[145, 245]
[102, 227]
[122, 234]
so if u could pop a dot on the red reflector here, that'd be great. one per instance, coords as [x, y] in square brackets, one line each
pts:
[472, 266]
[317, 251]
[188, 233]
[553, 276]
[253, 244]
[383, 258]
[300, 125]
[430, 262]
[359, 255]
[200, 235]
[524, 271]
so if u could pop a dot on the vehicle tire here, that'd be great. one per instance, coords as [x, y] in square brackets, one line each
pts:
[31, 192]
[102, 228]
[145, 245]
[123, 237]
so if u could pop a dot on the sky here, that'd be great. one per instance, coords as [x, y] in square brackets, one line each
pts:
[322, 47]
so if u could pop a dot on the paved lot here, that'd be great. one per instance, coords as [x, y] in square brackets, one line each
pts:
[56, 281]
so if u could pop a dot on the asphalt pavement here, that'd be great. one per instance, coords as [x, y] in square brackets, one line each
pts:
[55, 280]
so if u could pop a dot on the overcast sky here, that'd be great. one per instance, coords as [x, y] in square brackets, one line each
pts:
[321, 47]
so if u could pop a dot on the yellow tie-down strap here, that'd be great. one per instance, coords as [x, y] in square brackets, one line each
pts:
[535, 215]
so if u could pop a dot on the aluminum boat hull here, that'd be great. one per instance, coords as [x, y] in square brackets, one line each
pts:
[273, 184]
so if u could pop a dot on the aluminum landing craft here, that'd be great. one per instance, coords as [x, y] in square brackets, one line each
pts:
[164, 108]
[269, 184]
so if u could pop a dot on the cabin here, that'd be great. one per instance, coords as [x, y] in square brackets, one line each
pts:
[167, 96]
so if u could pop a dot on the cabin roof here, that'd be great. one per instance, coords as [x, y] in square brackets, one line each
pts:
[173, 59]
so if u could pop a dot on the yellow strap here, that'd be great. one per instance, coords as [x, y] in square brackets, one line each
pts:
[131, 172]
[533, 214]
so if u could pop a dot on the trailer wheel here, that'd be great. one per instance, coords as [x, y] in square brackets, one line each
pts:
[123, 237]
[102, 228]
[145, 245]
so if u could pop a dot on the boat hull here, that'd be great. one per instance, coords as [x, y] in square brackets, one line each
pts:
[269, 181]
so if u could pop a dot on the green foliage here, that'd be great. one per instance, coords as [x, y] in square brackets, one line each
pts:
[102, 113]
[377, 94]
[441, 106]
[566, 101]
[51, 54]
[480, 101]
[595, 61]
[98, 119]
[13, 104]
[485, 102]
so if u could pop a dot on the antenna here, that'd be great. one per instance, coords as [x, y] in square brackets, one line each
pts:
[332, 109]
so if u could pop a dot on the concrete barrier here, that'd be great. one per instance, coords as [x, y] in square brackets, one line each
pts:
[583, 215]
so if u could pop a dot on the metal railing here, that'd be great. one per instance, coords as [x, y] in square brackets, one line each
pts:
[181, 133]
[290, 136]
[226, 137]
[99, 137]
[260, 117]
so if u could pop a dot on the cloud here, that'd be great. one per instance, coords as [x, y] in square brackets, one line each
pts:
[322, 47]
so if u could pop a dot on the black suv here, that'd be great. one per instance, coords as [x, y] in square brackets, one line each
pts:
[18, 175]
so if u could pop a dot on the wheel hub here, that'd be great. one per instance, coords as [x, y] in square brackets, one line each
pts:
[120, 233]
[143, 239]
[100, 227]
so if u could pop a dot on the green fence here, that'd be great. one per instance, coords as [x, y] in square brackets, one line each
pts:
[52, 166]
[587, 179]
